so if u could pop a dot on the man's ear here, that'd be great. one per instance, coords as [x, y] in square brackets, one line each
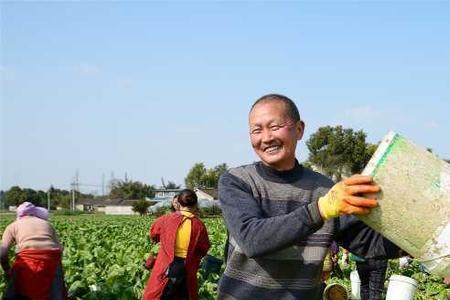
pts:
[300, 129]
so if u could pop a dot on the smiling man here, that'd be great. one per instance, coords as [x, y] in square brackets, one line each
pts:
[275, 129]
[282, 216]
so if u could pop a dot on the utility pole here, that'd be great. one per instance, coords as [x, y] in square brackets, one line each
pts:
[111, 182]
[75, 187]
[72, 205]
[103, 184]
[77, 181]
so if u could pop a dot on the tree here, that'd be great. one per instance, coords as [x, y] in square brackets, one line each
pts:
[2, 200]
[61, 198]
[371, 148]
[128, 189]
[339, 152]
[201, 177]
[141, 207]
[38, 198]
[172, 185]
[212, 176]
[196, 176]
[169, 185]
[15, 196]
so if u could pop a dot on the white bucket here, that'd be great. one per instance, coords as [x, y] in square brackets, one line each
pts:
[401, 288]
[356, 284]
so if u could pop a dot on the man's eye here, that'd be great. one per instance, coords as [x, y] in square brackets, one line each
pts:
[275, 127]
[256, 131]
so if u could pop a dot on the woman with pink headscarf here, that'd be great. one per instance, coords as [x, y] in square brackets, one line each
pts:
[37, 270]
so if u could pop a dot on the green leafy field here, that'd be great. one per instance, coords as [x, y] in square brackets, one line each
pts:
[104, 256]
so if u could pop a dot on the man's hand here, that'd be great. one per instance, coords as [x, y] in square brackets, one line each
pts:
[343, 197]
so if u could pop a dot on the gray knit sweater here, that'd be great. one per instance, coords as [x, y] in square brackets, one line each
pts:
[278, 239]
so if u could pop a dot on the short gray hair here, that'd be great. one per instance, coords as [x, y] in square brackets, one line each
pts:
[291, 109]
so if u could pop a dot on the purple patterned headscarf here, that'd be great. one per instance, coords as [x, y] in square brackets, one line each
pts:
[29, 209]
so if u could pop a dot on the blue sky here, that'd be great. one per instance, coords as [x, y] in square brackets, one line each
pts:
[150, 88]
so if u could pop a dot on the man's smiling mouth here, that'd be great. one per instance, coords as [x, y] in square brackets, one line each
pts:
[272, 148]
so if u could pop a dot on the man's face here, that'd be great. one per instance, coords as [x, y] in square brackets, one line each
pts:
[175, 204]
[274, 135]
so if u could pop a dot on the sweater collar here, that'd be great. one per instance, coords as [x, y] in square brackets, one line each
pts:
[287, 176]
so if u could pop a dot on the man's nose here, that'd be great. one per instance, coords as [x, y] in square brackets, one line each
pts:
[266, 136]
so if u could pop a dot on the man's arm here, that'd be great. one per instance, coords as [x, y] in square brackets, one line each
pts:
[346, 199]
[56, 239]
[4, 260]
[256, 234]
[362, 240]
[155, 230]
[203, 244]
[7, 241]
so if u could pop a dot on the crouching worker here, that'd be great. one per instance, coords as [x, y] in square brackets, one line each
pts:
[37, 270]
[183, 242]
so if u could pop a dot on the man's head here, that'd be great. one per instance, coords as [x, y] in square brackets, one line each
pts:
[174, 203]
[187, 198]
[275, 129]
[29, 209]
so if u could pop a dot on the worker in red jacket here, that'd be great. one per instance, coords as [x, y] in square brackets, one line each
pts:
[183, 242]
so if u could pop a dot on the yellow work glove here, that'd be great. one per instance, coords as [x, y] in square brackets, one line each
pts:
[343, 197]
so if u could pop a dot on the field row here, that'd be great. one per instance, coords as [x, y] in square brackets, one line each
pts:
[104, 255]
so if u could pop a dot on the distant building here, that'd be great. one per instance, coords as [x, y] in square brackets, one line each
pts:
[164, 194]
[211, 192]
[125, 207]
[120, 207]
[107, 206]
[203, 195]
